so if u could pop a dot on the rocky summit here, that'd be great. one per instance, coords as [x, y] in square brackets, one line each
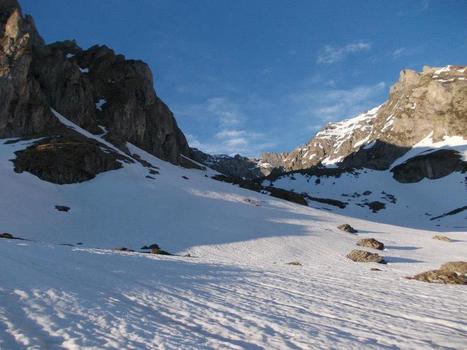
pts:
[97, 89]
[430, 103]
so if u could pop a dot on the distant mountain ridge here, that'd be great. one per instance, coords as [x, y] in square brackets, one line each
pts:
[430, 103]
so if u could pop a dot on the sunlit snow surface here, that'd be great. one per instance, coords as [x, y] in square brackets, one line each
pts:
[236, 292]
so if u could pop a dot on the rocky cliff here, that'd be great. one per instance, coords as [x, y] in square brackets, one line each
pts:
[97, 89]
[433, 102]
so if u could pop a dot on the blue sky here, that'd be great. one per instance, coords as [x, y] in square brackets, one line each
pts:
[248, 76]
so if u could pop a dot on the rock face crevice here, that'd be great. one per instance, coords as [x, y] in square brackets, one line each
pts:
[95, 88]
[23, 108]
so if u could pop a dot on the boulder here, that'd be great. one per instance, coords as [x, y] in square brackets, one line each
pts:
[6, 235]
[442, 238]
[440, 276]
[454, 272]
[364, 256]
[347, 228]
[370, 243]
[459, 267]
[63, 208]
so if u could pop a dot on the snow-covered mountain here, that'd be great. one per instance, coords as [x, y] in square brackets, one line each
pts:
[432, 102]
[261, 272]
[94, 170]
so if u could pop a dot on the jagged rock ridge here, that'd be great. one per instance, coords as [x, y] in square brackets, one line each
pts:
[97, 89]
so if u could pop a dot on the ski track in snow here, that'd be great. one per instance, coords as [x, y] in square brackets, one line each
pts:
[237, 291]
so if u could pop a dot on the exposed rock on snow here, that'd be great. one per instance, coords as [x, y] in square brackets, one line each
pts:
[440, 276]
[66, 159]
[459, 267]
[370, 243]
[63, 208]
[347, 228]
[6, 235]
[433, 165]
[364, 256]
[442, 238]
[449, 273]
[375, 206]
[123, 249]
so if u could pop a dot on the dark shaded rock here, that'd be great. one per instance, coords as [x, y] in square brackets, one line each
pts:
[364, 256]
[150, 177]
[452, 212]
[347, 228]
[330, 201]
[375, 269]
[62, 208]
[23, 109]
[152, 246]
[433, 165]
[286, 195]
[185, 177]
[123, 249]
[366, 193]
[66, 159]
[375, 206]
[257, 187]
[370, 243]
[159, 251]
[6, 235]
[153, 172]
[295, 263]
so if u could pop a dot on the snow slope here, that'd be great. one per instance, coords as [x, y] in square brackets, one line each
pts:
[410, 205]
[236, 292]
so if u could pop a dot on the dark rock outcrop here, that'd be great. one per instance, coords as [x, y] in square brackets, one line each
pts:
[433, 165]
[23, 109]
[257, 187]
[66, 159]
[62, 208]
